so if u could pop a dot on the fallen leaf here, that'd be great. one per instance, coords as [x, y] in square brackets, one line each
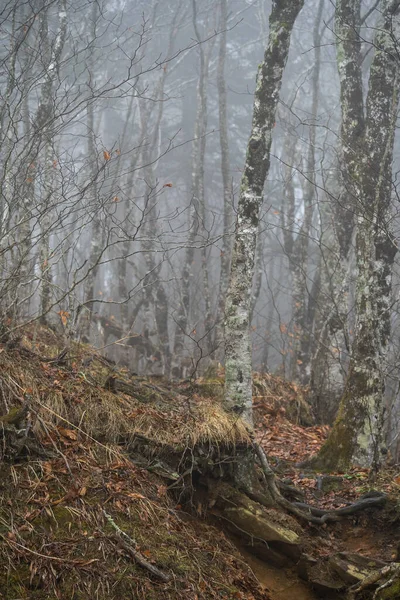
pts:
[68, 433]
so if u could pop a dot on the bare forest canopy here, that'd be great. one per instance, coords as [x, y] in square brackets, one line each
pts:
[124, 129]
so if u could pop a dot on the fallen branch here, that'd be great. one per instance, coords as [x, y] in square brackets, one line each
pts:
[129, 544]
[60, 359]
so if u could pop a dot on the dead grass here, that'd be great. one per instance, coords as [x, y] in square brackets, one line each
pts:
[73, 396]
[56, 543]
[54, 539]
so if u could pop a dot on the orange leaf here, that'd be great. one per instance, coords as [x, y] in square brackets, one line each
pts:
[136, 496]
[106, 155]
[167, 185]
[115, 199]
[68, 433]
[63, 316]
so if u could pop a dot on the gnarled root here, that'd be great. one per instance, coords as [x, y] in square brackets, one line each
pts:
[305, 511]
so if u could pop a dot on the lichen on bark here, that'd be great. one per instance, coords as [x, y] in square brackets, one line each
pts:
[238, 375]
[357, 434]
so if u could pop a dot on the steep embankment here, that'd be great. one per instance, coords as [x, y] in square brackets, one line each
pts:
[69, 487]
[117, 486]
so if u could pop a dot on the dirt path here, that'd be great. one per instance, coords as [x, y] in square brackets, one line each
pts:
[283, 584]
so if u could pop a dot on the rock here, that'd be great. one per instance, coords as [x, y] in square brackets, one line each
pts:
[318, 573]
[326, 588]
[257, 525]
[352, 568]
[305, 563]
[324, 581]
[265, 531]
[265, 552]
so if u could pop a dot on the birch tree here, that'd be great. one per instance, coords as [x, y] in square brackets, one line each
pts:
[357, 433]
[238, 363]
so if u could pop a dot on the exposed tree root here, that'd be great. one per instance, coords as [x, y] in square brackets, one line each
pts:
[389, 573]
[310, 513]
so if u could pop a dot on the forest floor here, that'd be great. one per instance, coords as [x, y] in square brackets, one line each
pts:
[86, 512]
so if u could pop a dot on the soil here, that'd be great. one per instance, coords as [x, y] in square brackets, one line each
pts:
[282, 584]
[128, 450]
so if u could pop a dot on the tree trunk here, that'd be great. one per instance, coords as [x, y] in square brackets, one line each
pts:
[226, 177]
[357, 433]
[297, 248]
[238, 360]
[327, 385]
[46, 117]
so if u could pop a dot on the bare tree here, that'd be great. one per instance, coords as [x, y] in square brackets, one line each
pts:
[238, 361]
[357, 433]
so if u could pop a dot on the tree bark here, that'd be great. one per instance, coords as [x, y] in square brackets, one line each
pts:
[357, 433]
[197, 215]
[238, 363]
[327, 386]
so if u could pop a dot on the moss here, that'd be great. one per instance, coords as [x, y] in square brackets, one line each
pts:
[337, 452]
[17, 582]
[390, 593]
[255, 524]
[60, 519]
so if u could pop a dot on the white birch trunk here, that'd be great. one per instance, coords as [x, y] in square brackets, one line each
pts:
[238, 360]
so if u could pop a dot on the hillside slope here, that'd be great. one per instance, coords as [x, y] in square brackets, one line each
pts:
[69, 486]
